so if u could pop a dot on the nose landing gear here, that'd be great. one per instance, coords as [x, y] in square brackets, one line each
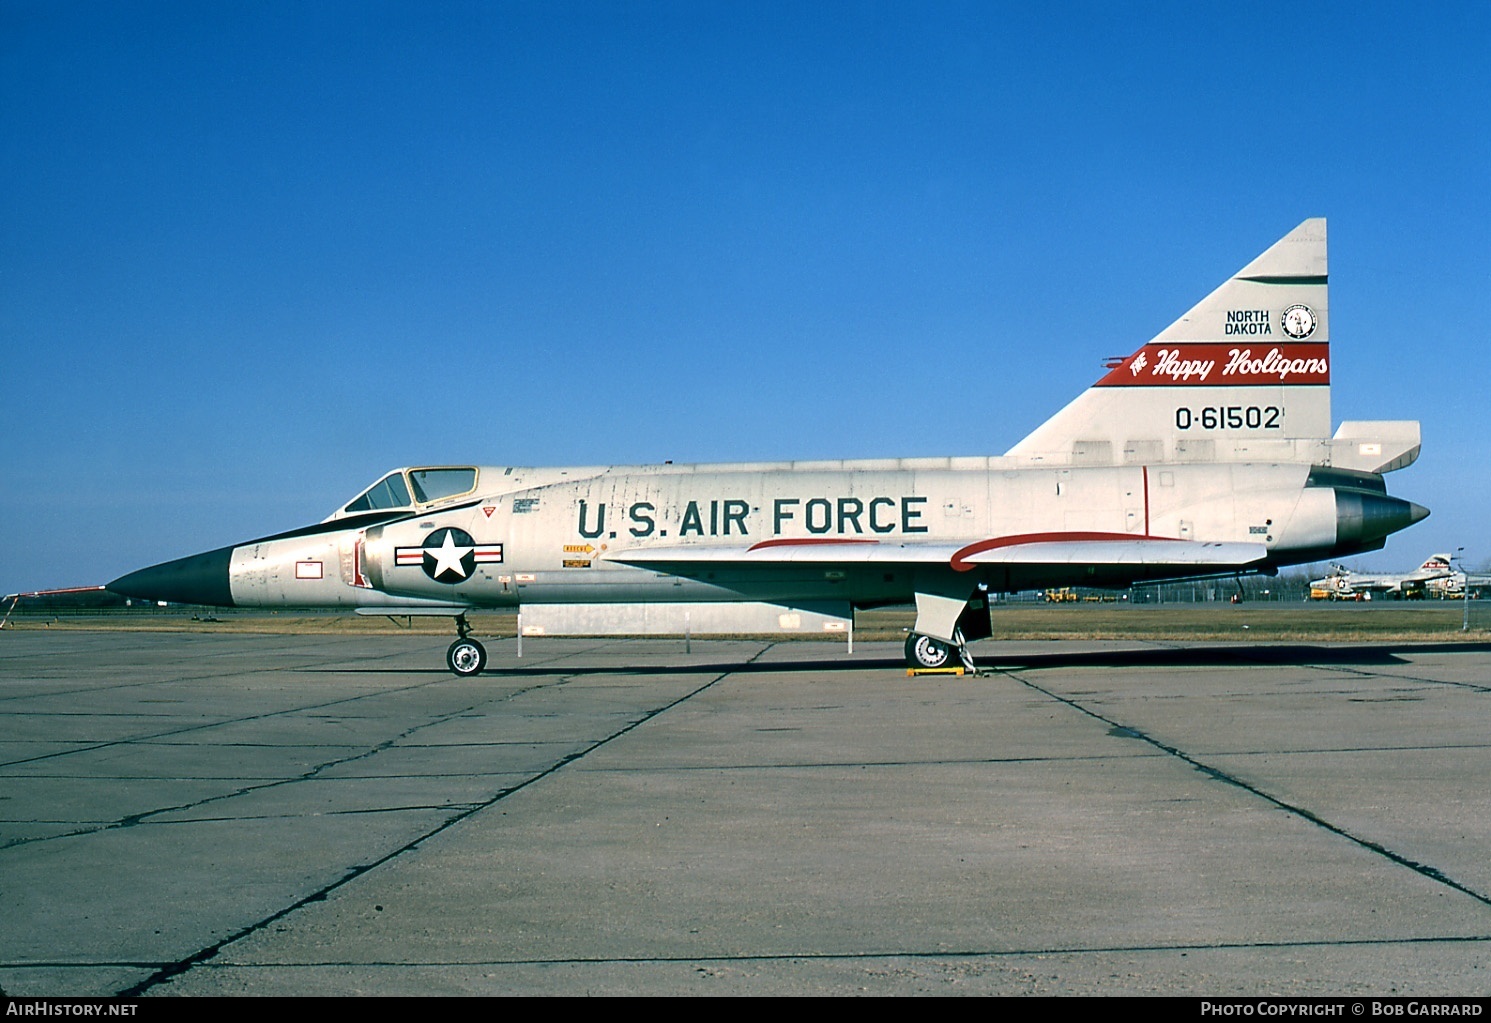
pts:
[466, 657]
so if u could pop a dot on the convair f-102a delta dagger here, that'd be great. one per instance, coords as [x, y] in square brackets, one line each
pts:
[1207, 452]
[1344, 584]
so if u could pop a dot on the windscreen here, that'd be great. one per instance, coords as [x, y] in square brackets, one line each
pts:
[436, 484]
[389, 492]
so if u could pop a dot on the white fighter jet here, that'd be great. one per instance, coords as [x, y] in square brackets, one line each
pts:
[1206, 452]
[1344, 584]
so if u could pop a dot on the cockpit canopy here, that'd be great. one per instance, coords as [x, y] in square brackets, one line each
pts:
[409, 488]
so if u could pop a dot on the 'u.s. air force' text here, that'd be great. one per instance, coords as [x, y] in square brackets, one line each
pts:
[835, 516]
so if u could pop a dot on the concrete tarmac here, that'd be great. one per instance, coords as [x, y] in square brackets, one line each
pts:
[284, 815]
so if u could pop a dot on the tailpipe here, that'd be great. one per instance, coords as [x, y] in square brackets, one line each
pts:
[1365, 518]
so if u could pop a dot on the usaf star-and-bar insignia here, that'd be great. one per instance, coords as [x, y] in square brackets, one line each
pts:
[449, 555]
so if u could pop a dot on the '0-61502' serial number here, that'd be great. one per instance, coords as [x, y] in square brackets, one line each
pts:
[1231, 417]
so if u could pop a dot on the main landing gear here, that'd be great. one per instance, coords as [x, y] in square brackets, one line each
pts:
[926, 652]
[930, 654]
[466, 657]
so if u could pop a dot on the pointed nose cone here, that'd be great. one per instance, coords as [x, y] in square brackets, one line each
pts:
[199, 579]
[1416, 513]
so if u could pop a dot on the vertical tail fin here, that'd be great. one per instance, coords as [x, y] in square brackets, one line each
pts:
[1244, 375]
[1436, 563]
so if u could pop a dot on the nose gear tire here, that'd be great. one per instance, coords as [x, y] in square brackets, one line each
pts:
[466, 657]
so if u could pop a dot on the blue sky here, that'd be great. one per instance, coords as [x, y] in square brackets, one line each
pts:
[256, 253]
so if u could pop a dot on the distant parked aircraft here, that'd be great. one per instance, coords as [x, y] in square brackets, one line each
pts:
[1344, 584]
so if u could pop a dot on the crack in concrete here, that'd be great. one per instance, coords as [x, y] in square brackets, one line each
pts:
[136, 819]
[1423, 869]
[167, 972]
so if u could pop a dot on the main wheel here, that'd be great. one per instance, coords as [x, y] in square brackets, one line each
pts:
[466, 657]
[926, 652]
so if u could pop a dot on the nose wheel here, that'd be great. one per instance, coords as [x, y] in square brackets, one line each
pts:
[466, 657]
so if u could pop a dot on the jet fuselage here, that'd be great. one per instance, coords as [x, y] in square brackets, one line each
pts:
[783, 533]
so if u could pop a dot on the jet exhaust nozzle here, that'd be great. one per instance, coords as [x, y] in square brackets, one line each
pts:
[1366, 517]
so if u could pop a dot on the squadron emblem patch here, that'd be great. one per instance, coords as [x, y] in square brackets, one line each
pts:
[1298, 321]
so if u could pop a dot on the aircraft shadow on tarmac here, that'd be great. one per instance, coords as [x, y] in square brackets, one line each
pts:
[1191, 657]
